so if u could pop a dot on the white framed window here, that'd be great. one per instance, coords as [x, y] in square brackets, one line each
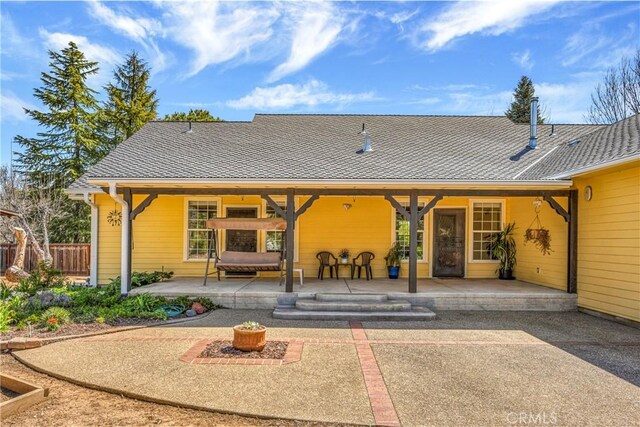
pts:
[487, 218]
[274, 239]
[401, 233]
[198, 211]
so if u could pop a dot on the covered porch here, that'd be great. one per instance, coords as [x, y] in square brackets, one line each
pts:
[434, 293]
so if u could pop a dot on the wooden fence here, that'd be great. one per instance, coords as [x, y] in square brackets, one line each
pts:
[71, 258]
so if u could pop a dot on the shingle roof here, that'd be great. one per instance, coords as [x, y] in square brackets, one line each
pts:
[615, 142]
[324, 147]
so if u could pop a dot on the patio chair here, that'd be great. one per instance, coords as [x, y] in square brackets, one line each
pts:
[363, 260]
[327, 260]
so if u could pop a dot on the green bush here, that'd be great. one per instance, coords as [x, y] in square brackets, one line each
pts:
[206, 303]
[144, 278]
[43, 277]
[5, 317]
[5, 291]
[54, 317]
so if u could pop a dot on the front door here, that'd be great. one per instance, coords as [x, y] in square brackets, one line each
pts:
[242, 240]
[448, 242]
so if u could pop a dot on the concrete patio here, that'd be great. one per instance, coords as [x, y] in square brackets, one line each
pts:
[436, 294]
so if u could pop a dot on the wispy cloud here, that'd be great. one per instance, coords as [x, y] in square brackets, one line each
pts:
[567, 102]
[464, 18]
[13, 107]
[104, 55]
[140, 29]
[599, 49]
[13, 42]
[284, 96]
[218, 32]
[523, 59]
[316, 27]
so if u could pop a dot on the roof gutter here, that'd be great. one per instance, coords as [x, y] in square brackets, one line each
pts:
[593, 168]
[325, 182]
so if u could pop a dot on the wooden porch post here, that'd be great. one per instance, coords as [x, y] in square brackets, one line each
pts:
[413, 242]
[572, 246]
[289, 233]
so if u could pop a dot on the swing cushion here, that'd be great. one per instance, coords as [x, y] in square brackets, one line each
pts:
[247, 261]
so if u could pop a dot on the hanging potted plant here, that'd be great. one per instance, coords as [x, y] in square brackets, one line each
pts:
[503, 248]
[537, 234]
[344, 256]
[250, 336]
[540, 237]
[393, 259]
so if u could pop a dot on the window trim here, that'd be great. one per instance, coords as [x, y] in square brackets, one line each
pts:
[426, 250]
[503, 203]
[263, 234]
[185, 233]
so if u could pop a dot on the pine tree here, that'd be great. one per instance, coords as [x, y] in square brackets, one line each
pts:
[68, 144]
[196, 115]
[131, 101]
[520, 109]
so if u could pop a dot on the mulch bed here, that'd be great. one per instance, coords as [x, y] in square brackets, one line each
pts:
[224, 349]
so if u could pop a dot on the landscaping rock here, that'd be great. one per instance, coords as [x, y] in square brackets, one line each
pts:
[191, 313]
[198, 308]
[47, 299]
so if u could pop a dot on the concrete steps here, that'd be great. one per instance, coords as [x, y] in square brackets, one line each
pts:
[350, 307]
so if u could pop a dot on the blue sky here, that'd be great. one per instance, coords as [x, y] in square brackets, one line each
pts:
[239, 58]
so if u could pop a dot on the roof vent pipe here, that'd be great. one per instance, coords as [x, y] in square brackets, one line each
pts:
[190, 130]
[533, 134]
[367, 147]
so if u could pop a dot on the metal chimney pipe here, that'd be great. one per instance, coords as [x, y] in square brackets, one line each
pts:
[533, 120]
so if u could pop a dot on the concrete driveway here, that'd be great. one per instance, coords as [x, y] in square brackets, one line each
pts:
[465, 368]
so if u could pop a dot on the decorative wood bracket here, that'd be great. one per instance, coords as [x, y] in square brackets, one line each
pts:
[399, 208]
[556, 206]
[429, 206]
[274, 206]
[143, 205]
[306, 205]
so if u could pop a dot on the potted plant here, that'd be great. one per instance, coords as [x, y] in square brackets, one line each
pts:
[344, 256]
[393, 259]
[250, 336]
[503, 248]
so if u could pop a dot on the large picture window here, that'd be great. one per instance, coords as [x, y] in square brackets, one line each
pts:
[198, 212]
[274, 239]
[487, 219]
[402, 233]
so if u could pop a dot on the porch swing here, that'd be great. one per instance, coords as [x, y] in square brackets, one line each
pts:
[243, 262]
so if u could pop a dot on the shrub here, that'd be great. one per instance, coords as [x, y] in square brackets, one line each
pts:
[206, 302]
[5, 317]
[54, 317]
[5, 291]
[45, 276]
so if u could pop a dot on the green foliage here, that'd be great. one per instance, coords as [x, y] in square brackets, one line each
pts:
[251, 326]
[43, 277]
[194, 115]
[520, 109]
[62, 315]
[131, 102]
[144, 278]
[5, 291]
[68, 142]
[5, 317]
[206, 303]
[394, 256]
[502, 247]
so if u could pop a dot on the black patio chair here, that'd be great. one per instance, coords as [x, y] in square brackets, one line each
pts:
[327, 260]
[363, 260]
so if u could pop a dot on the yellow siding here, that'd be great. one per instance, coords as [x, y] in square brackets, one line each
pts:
[609, 242]
[534, 267]
[159, 234]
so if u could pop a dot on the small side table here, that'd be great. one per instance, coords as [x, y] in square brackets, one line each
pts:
[343, 265]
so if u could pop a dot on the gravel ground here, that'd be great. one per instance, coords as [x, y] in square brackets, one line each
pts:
[75, 406]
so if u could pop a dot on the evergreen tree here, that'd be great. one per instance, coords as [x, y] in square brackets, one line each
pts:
[520, 109]
[196, 115]
[131, 101]
[68, 144]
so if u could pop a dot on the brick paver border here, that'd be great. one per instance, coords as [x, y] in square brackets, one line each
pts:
[381, 404]
[292, 355]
